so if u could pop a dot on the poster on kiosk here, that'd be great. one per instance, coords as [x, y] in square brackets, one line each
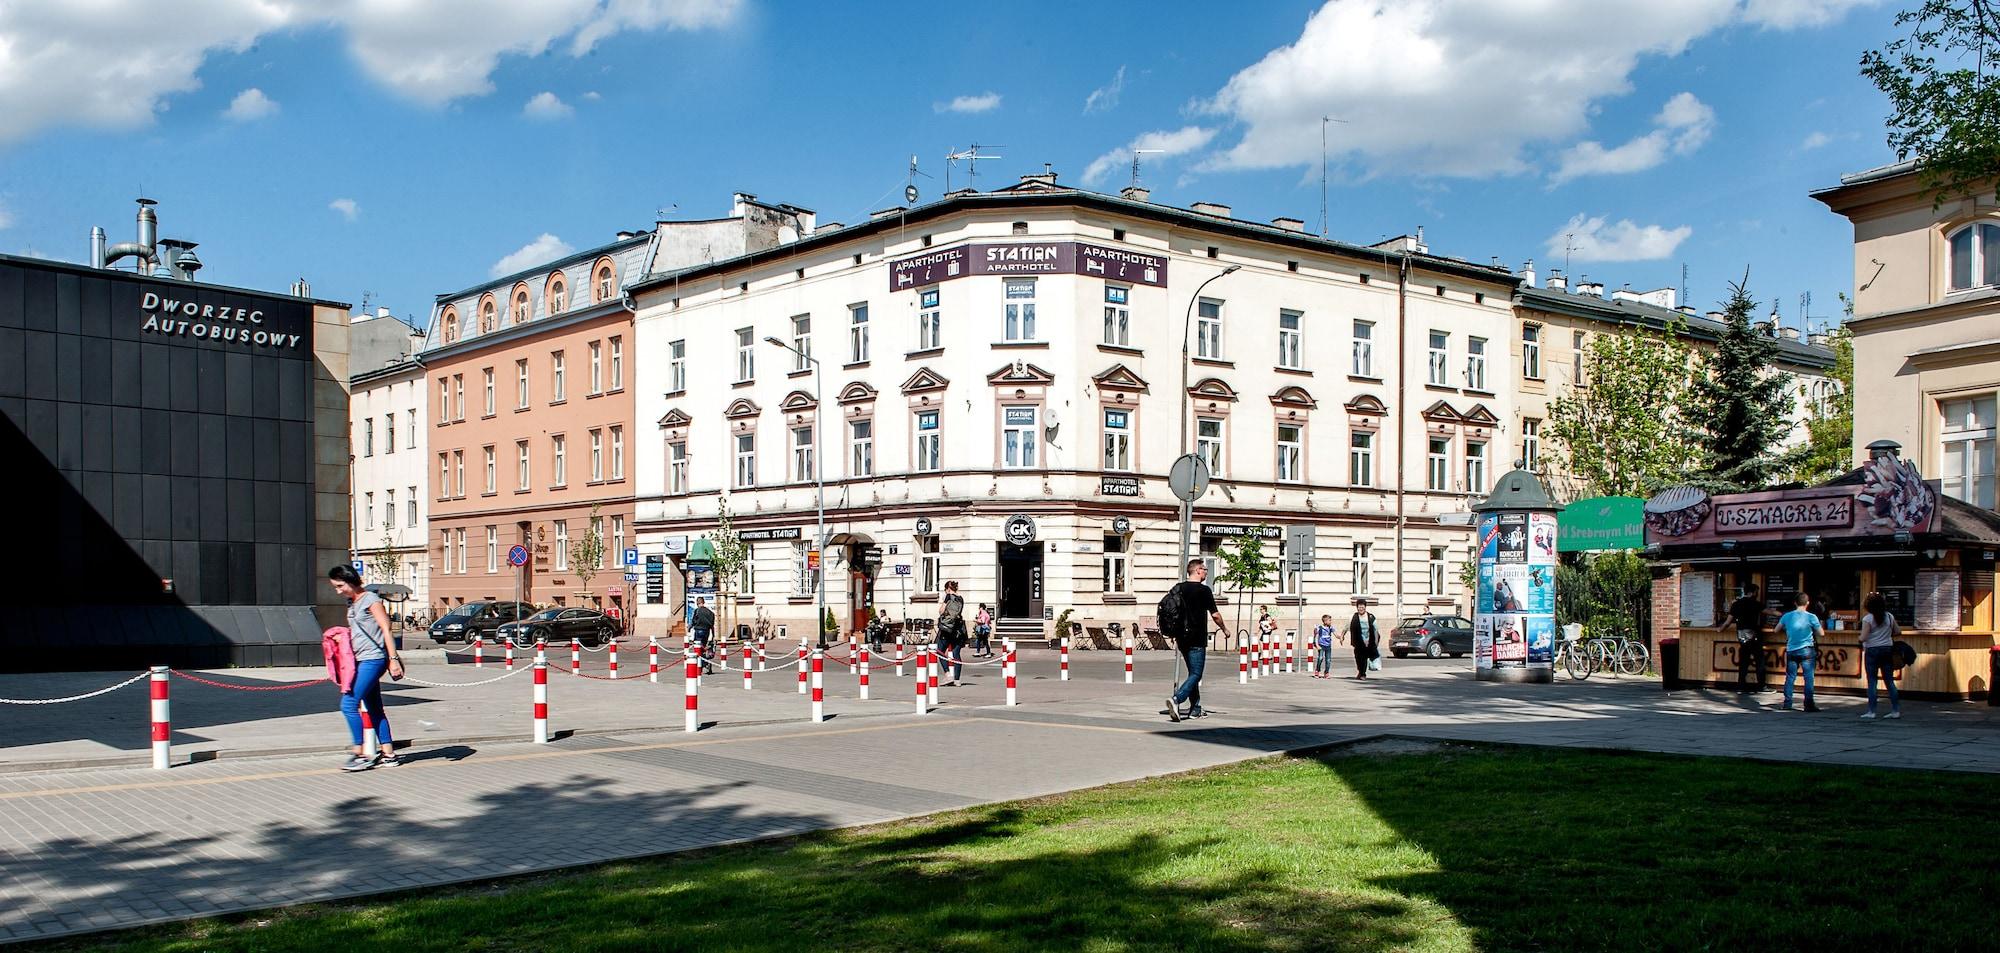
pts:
[1513, 622]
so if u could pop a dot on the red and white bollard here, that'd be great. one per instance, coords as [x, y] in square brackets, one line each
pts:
[1256, 658]
[818, 685]
[653, 660]
[541, 701]
[510, 655]
[541, 652]
[931, 655]
[1065, 658]
[478, 653]
[853, 661]
[370, 743]
[613, 659]
[1291, 651]
[923, 697]
[863, 657]
[693, 692]
[804, 657]
[900, 659]
[163, 723]
[1128, 660]
[1011, 670]
[575, 657]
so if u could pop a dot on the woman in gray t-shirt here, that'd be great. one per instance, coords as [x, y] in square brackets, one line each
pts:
[375, 655]
[1878, 652]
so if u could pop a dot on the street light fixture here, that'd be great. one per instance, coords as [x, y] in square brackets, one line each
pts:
[819, 492]
[1187, 322]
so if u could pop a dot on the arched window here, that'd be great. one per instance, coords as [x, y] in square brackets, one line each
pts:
[487, 309]
[558, 294]
[450, 325]
[517, 309]
[1975, 256]
[603, 280]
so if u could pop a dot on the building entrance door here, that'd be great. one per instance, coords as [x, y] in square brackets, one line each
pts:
[1020, 581]
[860, 600]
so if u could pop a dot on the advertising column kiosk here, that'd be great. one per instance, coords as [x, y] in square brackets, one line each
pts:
[1514, 622]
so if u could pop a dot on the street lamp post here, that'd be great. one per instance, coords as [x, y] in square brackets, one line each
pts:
[819, 493]
[1187, 507]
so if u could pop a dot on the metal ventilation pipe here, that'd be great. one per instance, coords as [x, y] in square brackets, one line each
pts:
[143, 251]
[96, 246]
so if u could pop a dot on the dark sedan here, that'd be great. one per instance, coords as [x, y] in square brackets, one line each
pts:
[1432, 635]
[558, 625]
[476, 620]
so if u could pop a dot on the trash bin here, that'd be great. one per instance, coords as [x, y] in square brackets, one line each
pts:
[1993, 677]
[1670, 664]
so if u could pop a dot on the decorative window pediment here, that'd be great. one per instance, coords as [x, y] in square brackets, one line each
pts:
[1442, 412]
[1367, 405]
[1118, 377]
[857, 393]
[925, 379]
[742, 407]
[1210, 388]
[1479, 416]
[1020, 373]
[674, 420]
[1293, 397]
[797, 400]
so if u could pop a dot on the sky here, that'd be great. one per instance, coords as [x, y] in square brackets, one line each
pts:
[392, 150]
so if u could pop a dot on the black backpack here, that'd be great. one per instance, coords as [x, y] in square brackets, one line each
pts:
[1172, 615]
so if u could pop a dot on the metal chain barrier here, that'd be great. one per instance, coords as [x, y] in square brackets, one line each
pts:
[418, 681]
[250, 688]
[74, 698]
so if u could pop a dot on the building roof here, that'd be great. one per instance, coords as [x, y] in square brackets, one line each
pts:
[86, 269]
[1653, 317]
[390, 370]
[542, 268]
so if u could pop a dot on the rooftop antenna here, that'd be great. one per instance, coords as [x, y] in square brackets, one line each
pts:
[910, 181]
[1323, 120]
[1136, 153]
[667, 209]
[1569, 246]
[1684, 283]
[971, 156]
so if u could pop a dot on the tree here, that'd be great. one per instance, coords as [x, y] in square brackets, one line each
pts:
[1944, 102]
[1830, 429]
[731, 553]
[1608, 593]
[1617, 431]
[586, 553]
[1245, 566]
[1737, 411]
[389, 563]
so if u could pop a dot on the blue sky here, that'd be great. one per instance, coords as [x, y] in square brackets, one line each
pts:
[401, 149]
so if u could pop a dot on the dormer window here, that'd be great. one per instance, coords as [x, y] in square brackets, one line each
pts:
[1975, 256]
[558, 297]
[603, 280]
[518, 312]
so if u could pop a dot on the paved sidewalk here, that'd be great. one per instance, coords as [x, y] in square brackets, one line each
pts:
[98, 848]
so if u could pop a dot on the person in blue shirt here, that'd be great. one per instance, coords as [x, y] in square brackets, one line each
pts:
[1802, 630]
[1323, 648]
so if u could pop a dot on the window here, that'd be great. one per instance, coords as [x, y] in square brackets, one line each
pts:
[1118, 440]
[486, 388]
[463, 565]
[618, 539]
[1968, 435]
[450, 326]
[677, 467]
[458, 472]
[597, 533]
[1117, 316]
[857, 333]
[677, 367]
[617, 363]
[492, 549]
[603, 280]
[1018, 433]
[596, 368]
[802, 342]
[1364, 349]
[1291, 452]
[1475, 468]
[1117, 565]
[444, 550]
[930, 321]
[410, 508]
[1437, 465]
[1357, 565]
[492, 470]
[1208, 329]
[368, 511]
[746, 460]
[1440, 352]
[1531, 352]
[861, 442]
[596, 455]
[930, 438]
[444, 475]
[389, 512]
[521, 385]
[1361, 458]
[486, 312]
[746, 354]
[444, 400]
[1020, 324]
[412, 438]
[558, 297]
[1531, 441]
[562, 544]
[458, 396]
[802, 454]
[1208, 442]
[930, 564]
[1475, 363]
[558, 379]
[521, 474]
[519, 313]
[618, 453]
[1576, 357]
[559, 453]
[389, 432]
[368, 437]
[805, 579]
[1289, 340]
[1975, 256]
[1437, 575]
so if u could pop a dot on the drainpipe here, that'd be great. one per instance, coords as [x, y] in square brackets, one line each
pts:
[1402, 412]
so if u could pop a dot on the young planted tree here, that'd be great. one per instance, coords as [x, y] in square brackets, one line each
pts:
[388, 565]
[1736, 412]
[1943, 94]
[1617, 431]
[731, 553]
[1245, 567]
[586, 553]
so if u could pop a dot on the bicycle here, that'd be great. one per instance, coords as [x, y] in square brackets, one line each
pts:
[1618, 654]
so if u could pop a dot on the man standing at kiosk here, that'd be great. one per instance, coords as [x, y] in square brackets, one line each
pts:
[1747, 614]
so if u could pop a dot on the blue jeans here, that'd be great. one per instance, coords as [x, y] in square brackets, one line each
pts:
[955, 655]
[1323, 660]
[367, 690]
[1793, 664]
[1190, 690]
[1881, 660]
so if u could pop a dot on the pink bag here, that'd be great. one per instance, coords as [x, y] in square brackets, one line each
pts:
[337, 644]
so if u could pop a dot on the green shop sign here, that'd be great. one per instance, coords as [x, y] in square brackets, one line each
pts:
[1601, 522]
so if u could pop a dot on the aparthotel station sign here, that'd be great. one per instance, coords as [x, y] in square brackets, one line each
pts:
[174, 316]
[1027, 259]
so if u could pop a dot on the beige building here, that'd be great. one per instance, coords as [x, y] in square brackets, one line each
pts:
[1926, 324]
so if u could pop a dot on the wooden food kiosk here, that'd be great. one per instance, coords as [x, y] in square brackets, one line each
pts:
[1879, 528]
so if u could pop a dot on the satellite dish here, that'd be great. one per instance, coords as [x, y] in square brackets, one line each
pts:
[910, 194]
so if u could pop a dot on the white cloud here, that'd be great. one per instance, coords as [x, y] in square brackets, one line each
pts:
[543, 248]
[1814, 141]
[1789, 14]
[1591, 239]
[1680, 128]
[545, 105]
[984, 102]
[1166, 142]
[1105, 98]
[1455, 87]
[250, 105]
[614, 16]
[346, 207]
[592, 96]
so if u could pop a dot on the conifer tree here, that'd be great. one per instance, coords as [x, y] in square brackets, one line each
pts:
[1738, 407]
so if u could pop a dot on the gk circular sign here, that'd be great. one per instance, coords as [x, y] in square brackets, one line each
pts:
[923, 526]
[1188, 478]
[517, 556]
[1020, 530]
[1121, 525]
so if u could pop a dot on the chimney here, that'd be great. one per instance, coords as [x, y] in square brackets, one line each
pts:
[301, 290]
[825, 227]
[1134, 193]
[886, 212]
[1557, 280]
[1211, 208]
[1688, 310]
[381, 312]
[1290, 224]
[1717, 317]
[1527, 274]
[1817, 338]
[1045, 177]
[1788, 333]
[1595, 288]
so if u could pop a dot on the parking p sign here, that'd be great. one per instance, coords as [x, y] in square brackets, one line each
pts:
[359, 566]
[631, 556]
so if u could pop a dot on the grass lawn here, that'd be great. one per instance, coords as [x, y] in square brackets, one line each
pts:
[1436, 849]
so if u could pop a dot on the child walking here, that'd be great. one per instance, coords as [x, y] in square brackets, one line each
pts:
[1323, 648]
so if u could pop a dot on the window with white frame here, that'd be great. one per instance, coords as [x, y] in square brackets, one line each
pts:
[930, 564]
[559, 456]
[412, 438]
[1359, 570]
[1968, 438]
[444, 400]
[1117, 565]
[1208, 442]
[930, 320]
[486, 388]
[1531, 352]
[618, 539]
[746, 460]
[1291, 453]
[368, 437]
[1475, 467]
[522, 474]
[1117, 316]
[389, 432]
[596, 367]
[368, 511]
[930, 442]
[802, 341]
[1208, 329]
[1576, 347]
[521, 385]
[805, 579]
[1531, 441]
[1290, 340]
[677, 366]
[562, 544]
[444, 475]
[1364, 349]
[746, 354]
[1117, 440]
[463, 565]
[1361, 458]
[618, 363]
[597, 532]
[558, 379]
[1975, 256]
[389, 511]
[458, 396]
[492, 471]
[458, 472]
[677, 467]
[492, 549]
[746, 575]
[861, 448]
[1437, 464]
[596, 455]
[1019, 433]
[444, 551]
[1439, 355]
[1475, 363]
[1437, 571]
[410, 508]
[1020, 313]
[618, 453]
[802, 454]
[857, 333]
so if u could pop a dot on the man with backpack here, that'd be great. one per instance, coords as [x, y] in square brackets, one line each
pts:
[951, 637]
[1180, 617]
[700, 629]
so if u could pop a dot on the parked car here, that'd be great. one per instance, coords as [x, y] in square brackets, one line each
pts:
[557, 625]
[477, 620]
[1433, 635]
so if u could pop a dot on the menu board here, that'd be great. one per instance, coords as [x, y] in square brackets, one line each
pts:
[1781, 591]
[1698, 599]
[1937, 599]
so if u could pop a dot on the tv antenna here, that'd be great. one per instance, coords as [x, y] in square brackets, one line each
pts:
[971, 157]
[910, 182]
[1323, 120]
[1136, 153]
[1569, 246]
